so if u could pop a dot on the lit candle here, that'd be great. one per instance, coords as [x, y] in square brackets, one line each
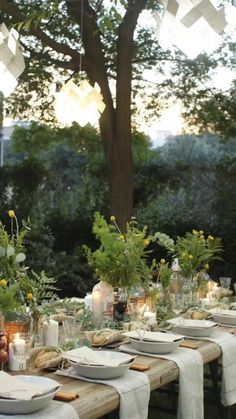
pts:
[97, 305]
[13, 364]
[50, 333]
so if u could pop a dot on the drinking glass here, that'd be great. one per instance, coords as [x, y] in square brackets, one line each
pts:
[177, 303]
[225, 282]
[71, 329]
[21, 346]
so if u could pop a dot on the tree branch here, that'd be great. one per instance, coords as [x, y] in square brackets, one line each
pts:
[12, 9]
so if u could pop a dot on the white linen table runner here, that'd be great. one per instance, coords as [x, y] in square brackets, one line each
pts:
[190, 364]
[133, 388]
[227, 342]
[55, 410]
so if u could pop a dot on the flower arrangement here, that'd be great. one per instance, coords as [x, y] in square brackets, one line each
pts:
[121, 258]
[195, 252]
[20, 286]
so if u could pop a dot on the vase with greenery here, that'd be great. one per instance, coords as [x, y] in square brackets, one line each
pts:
[122, 259]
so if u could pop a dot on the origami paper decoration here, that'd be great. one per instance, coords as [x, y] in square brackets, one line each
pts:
[12, 62]
[82, 104]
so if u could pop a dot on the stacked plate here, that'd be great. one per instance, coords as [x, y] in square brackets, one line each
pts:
[193, 328]
[224, 317]
[155, 342]
[102, 365]
[15, 406]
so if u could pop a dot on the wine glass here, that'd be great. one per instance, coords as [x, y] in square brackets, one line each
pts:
[21, 346]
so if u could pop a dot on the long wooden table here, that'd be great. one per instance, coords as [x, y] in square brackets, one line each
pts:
[97, 400]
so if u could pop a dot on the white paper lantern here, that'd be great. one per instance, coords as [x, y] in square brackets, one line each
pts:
[12, 62]
[191, 25]
[82, 104]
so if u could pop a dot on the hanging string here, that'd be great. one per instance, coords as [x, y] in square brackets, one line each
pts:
[81, 32]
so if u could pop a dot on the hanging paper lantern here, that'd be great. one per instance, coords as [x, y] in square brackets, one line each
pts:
[11, 60]
[190, 25]
[82, 104]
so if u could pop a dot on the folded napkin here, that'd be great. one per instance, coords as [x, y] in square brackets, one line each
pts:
[155, 336]
[85, 355]
[180, 321]
[190, 364]
[133, 388]
[231, 313]
[12, 387]
[227, 342]
[55, 410]
[104, 336]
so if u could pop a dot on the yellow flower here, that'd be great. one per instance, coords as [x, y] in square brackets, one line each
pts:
[210, 238]
[162, 261]
[121, 237]
[201, 237]
[11, 214]
[29, 296]
[112, 218]
[194, 232]
[183, 254]
[201, 232]
[3, 283]
[206, 266]
[190, 257]
[146, 242]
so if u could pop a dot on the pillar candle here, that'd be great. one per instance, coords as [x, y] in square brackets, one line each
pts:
[50, 333]
[150, 317]
[13, 364]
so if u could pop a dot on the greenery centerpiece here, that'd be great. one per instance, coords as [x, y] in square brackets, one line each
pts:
[122, 258]
[21, 287]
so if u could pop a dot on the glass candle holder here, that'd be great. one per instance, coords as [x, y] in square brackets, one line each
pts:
[20, 346]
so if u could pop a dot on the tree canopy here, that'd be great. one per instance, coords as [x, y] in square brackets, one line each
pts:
[110, 44]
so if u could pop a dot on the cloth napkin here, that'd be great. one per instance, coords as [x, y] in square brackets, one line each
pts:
[190, 364]
[227, 342]
[133, 388]
[12, 387]
[55, 410]
[155, 336]
[86, 355]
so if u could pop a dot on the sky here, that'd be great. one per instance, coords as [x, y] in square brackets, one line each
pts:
[171, 120]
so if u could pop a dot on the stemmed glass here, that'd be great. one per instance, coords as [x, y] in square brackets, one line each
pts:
[21, 346]
[177, 304]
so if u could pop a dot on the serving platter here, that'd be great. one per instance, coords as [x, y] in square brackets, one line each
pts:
[155, 347]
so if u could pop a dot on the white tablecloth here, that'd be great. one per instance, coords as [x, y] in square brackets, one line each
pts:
[133, 388]
[190, 363]
[55, 410]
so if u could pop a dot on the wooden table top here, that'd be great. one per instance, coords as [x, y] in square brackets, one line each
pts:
[96, 400]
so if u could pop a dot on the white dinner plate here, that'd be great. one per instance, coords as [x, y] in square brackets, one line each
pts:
[155, 347]
[192, 327]
[104, 372]
[225, 317]
[12, 407]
